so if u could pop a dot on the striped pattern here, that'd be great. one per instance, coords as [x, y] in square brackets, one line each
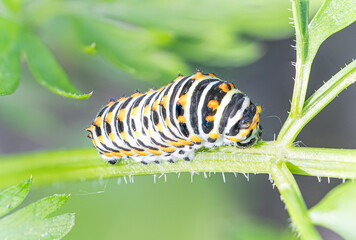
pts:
[172, 122]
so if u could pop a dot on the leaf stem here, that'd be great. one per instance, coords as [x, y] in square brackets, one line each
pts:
[293, 199]
[322, 97]
[73, 165]
[301, 16]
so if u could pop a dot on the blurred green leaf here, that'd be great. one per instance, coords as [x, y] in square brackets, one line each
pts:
[13, 196]
[216, 50]
[13, 5]
[50, 228]
[131, 49]
[333, 16]
[337, 210]
[212, 33]
[46, 69]
[31, 222]
[9, 57]
[156, 39]
[40, 209]
[267, 230]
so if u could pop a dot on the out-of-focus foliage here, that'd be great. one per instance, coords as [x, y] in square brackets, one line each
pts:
[337, 210]
[171, 209]
[9, 57]
[32, 221]
[256, 229]
[152, 40]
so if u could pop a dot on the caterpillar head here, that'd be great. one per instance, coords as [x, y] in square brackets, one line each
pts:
[247, 130]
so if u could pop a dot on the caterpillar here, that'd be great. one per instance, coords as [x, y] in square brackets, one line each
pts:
[172, 122]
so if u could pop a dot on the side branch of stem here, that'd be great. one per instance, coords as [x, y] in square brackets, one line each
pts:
[293, 199]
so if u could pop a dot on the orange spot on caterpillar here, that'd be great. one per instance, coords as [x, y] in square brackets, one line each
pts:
[224, 87]
[150, 91]
[234, 139]
[232, 86]
[159, 127]
[91, 128]
[142, 153]
[149, 132]
[136, 94]
[213, 104]
[198, 76]
[101, 138]
[168, 149]
[164, 101]
[127, 153]
[134, 111]
[98, 121]
[109, 117]
[155, 152]
[121, 99]
[213, 135]
[181, 119]
[112, 137]
[195, 139]
[124, 135]
[178, 78]
[182, 100]
[121, 114]
[210, 118]
[110, 103]
[147, 109]
[168, 123]
[117, 154]
[107, 154]
[185, 142]
[155, 105]
[212, 75]
[176, 144]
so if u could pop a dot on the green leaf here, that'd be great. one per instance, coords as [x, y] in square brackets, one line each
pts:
[52, 228]
[333, 16]
[13, 196]
[204, 34]
[215, 50]
[31, 222]
[133, 50]
[337, 210]
[9, 57]
[41, 208]
[46, 69]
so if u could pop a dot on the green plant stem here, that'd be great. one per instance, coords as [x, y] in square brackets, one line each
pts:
[293, 199]
[73, 165]
[302, 67]
[322, 97]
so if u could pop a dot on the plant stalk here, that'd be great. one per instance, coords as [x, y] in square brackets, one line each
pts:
[293, 199]
[302, 68]
[83, 164]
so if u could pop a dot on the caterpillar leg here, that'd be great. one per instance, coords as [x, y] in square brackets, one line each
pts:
[190, 156]
[112, 162]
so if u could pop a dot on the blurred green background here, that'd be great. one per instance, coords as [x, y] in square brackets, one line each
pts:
[115, 47]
